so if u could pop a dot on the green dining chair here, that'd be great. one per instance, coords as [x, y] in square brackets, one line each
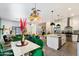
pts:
[37, 37]
[28, 37]
[1, 50]
[5, 52]
[38, 42]
[38, 52]
[17, 38]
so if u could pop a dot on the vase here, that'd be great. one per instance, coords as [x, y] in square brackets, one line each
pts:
[22, 43]
[23, 40]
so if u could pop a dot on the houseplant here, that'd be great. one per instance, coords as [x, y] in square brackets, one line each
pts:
[24, 31]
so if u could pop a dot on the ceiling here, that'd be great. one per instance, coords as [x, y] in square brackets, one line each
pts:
[13, 11]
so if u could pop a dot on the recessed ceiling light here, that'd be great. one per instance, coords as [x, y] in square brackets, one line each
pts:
[72, 14]
[69, 9]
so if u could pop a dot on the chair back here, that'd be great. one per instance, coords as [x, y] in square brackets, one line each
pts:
[17, 38]
[1, 50]
[38, 41]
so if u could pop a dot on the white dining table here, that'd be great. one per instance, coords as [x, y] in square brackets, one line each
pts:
[18, 51]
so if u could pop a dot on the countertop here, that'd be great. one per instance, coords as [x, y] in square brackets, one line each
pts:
[54, 35]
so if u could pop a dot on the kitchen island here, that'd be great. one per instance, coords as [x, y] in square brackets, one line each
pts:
[56, 41]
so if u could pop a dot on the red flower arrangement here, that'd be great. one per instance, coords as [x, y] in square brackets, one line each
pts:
[23, 30]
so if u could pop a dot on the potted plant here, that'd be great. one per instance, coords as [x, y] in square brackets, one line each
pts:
[24, 31]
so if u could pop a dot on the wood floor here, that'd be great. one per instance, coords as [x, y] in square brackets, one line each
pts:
[69, 49]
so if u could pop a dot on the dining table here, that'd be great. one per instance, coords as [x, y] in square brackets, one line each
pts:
[19, 51]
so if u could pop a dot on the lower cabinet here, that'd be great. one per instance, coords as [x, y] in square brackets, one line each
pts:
[55, 41]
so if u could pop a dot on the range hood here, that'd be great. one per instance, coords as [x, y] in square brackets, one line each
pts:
[68, 28]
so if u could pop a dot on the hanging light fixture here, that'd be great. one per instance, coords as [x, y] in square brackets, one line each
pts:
[52, 23]
[35, 14]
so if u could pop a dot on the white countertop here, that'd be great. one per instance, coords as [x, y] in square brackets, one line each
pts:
[54, 35]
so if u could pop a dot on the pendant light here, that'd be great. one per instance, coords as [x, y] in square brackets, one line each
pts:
[52, 23]
[35, 14]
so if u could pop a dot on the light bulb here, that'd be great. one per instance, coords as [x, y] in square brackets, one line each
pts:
[69, 9]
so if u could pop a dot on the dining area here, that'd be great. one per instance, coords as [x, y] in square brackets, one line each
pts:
[33, 46]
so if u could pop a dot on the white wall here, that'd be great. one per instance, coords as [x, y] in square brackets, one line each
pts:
[48, 27]
[75, 23]
[9, 23]
[31, 28]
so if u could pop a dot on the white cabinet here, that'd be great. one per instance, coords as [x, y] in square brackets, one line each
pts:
[55, 41]
[52, 42]
[77, 48]
[74, 38]
[63, 38]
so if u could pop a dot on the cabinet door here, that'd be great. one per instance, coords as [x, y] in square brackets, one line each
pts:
[63, 38]
[69, 37]
[77, 48]
[52, 42]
